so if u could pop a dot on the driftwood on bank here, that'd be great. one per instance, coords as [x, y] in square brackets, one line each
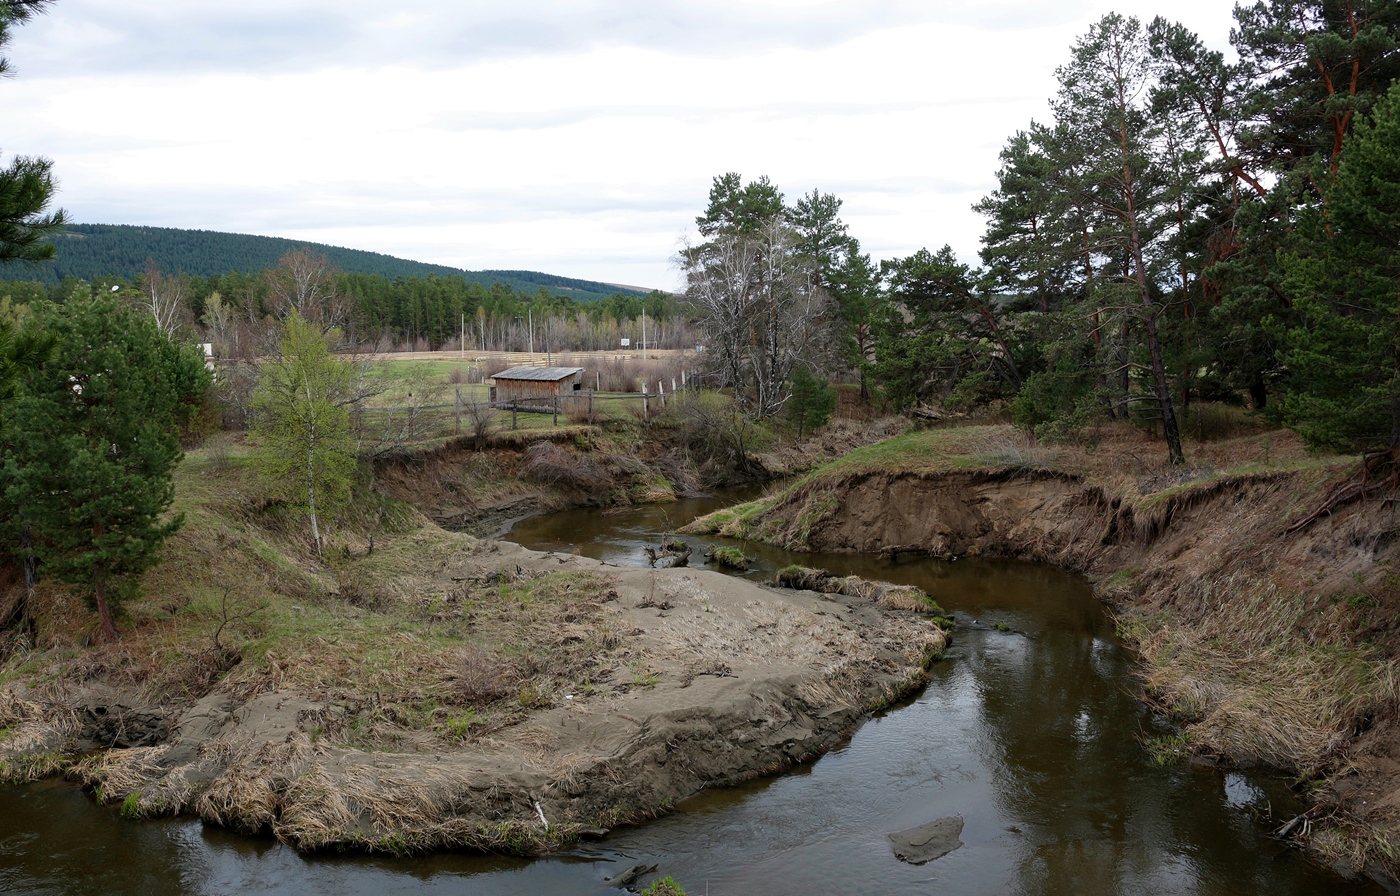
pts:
[670, 554]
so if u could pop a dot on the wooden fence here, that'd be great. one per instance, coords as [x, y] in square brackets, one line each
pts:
[583, 403]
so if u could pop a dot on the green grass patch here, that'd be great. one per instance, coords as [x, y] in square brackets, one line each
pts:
[731, 557]
[1167, 749]
[731, 522]
[27, 767]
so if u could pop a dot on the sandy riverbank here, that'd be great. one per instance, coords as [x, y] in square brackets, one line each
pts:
[693, 679]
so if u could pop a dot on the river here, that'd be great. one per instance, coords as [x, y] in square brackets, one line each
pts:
[1029, 731]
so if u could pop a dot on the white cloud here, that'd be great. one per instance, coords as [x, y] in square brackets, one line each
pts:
[572, 137]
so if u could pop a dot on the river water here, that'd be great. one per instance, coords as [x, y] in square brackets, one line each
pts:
[1028, 731]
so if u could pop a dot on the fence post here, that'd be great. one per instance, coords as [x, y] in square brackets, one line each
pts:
[513, 405]
[556, 408]
[457, 410]
[644, 401]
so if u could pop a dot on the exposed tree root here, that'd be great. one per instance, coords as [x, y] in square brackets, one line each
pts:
[1379, 472]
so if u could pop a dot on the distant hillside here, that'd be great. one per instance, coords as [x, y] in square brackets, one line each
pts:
[88, 251]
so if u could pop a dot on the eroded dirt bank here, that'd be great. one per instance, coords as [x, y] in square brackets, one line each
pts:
[690, 679]
[480, 490]
[1269, 646]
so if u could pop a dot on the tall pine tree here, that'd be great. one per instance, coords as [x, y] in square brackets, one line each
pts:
[92, 441]
[1344, 354]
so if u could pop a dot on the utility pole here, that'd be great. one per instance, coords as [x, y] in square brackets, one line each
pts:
[644, 333]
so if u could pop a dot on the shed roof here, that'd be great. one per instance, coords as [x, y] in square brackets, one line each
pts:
[547, 374]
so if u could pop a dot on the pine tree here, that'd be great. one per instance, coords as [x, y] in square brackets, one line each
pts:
[812, 401]
[937, 338]
[1105, 92]
[91, 446]
[26, 184]
[1344, 356]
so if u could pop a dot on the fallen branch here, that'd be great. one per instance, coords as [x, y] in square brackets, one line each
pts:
[1304, 821]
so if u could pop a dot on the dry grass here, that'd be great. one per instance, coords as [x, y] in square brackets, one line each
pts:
[885, 595]
[408, 637]
[1290, 707]
[247, 797]
[627, 374]
[480, 676]
[549, 464]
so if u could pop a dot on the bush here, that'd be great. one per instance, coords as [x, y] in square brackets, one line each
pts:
[1057, 404]
[480, 418]
[714, 431]
[482, 677]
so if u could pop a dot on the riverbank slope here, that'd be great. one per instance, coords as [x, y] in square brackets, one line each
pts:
[1268, 630]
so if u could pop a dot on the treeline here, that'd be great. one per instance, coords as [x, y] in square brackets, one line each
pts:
[234, 311]
[1185, 227]
[93, 251]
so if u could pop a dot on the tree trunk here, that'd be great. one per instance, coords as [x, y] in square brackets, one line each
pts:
[104, 609]
[1170, 428]
[311, 500]
[1258, 394]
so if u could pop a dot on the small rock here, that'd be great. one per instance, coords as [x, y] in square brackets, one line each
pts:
[629, 877]
[927, 841]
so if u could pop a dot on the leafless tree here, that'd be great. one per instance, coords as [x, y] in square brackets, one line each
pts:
[481, 418]
[164, 298]
[219, 323]
[761, 308]
[304, 282]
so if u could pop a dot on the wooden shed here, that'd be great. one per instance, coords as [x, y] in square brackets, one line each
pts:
[535, 385]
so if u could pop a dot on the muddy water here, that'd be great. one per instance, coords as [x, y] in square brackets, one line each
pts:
[1029, 733]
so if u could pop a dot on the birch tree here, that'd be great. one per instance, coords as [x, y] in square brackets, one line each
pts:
[762, 310]
[164, 298]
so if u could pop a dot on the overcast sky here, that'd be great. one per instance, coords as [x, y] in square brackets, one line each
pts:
[577, 137]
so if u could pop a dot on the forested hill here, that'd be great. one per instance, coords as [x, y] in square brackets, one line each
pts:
[90, 251]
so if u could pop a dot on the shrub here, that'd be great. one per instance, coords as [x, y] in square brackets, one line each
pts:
[482, 677]
[549, 464]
